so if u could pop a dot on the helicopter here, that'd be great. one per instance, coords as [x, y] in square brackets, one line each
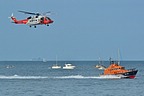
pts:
[36, 19]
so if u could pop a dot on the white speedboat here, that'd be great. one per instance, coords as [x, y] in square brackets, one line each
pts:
[68, 66]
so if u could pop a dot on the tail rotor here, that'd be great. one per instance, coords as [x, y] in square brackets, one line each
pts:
[12, 18]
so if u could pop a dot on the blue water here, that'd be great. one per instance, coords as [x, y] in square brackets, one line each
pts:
[38, 79]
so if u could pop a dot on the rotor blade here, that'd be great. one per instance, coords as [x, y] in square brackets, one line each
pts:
[11, 15]
[46, 13]
[29, 13]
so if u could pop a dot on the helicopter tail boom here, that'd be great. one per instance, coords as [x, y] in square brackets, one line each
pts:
[14, 20]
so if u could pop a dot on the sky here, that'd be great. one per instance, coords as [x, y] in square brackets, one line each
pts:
[82, 30]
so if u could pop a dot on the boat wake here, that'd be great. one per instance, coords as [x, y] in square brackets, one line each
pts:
[57, 77]
[22, 77]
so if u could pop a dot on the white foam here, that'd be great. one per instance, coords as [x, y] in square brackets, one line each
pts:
[22, 77]
[110, 77]
[70, 77]
[59, 77]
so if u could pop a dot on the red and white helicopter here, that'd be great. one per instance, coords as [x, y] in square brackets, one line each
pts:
[37, 19]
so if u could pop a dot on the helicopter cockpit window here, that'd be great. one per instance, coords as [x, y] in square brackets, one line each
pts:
[29, 17]
[48, 18]
[42, 18]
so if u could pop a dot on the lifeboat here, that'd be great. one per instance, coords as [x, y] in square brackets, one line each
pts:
[116, 70]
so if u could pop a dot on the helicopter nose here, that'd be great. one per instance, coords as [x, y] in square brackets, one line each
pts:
[51, 21]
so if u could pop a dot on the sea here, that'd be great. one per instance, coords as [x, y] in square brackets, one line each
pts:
[37, 78]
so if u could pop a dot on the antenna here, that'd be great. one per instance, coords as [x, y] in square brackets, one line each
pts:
[118, 56]
[110, 59]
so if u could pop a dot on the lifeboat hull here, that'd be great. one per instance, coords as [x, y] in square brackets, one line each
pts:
[130, 74]
[126, 75]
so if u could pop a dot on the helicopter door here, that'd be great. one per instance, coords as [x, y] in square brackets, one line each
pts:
[33, 21]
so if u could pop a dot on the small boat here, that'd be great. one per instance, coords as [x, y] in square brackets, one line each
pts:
[9, 66]
[55, 66]
[68, 66]
[116, 70]
[100, 67]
